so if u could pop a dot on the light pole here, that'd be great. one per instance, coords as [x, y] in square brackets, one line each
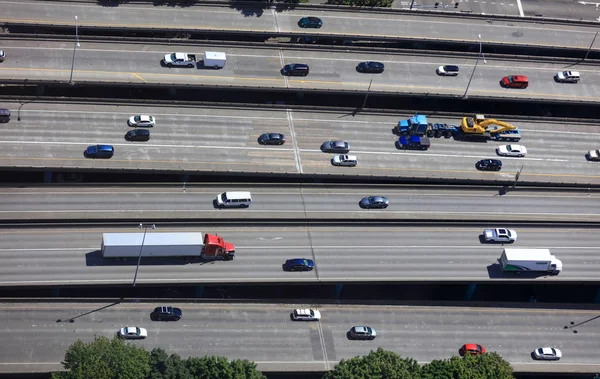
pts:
[590, 48]
[474, 67]
[141, 250]
[74, 49]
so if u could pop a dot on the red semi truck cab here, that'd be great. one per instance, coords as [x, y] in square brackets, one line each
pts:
[217, 247]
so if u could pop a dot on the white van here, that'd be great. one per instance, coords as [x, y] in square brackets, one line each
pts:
[234, 199]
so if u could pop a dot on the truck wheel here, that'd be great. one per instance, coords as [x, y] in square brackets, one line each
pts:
[215, 67]
[169, 65]
[190, 65]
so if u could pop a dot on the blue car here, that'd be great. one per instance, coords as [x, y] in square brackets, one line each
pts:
[99, 151]
[299, 264]
[310, 22]
[370, 67]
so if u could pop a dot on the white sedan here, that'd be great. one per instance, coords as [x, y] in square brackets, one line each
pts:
[141, 120]
[547, 354]
[306, 315]
[511, 151]
[500, 235]
[133, 333]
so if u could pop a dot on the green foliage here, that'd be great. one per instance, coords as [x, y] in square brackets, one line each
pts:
[376, 365]
[484, 366]
[219, 367]
[363, 3]
[164, 366]
[104, 359]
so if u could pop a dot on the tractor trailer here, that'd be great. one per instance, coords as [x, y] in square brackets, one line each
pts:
[518, 260]
[131, 245]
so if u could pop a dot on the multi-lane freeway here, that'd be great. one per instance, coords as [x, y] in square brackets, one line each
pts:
[295, 203]
[39, 333]
[251, 67]
[225, 140]
[445, 27]
[62, 256]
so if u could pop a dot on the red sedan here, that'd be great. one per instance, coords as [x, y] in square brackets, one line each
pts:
[515, 81]
[472, 348]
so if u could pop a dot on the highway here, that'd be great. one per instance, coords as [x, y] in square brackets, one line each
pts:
[294, 202]
[251, 67]
[40, 333]
[436, 27]
[71, 256]
[198, 139]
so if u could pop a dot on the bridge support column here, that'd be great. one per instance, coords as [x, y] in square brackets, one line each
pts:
[338, 291]
[199, 291]
[597, 298]
[48, 177]
[470, 291]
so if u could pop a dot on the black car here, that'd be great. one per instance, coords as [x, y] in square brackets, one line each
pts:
[166, 314]
[271, 139]
[370, 67]
[310, 22]
[489, 165]
[295, 69]
[299, 264]
[138, 135]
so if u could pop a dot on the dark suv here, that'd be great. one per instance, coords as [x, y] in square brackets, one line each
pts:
[489, 165]
[166, 314]
[99, 151]
[138, 135]
[295, 69]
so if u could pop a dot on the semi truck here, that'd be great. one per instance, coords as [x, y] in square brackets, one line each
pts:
[214, 59]
[179, 59]
[131, 245]
[413, 143]
[518, 260]
[471, 128]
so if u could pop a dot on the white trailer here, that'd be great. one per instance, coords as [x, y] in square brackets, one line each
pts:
[518, 260]
[214, 59]
[128, 245]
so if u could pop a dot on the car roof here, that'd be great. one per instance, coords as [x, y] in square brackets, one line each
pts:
[451, 67]
[360, 329]
[105, 147]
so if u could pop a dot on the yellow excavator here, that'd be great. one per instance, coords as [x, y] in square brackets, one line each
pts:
[490, 128]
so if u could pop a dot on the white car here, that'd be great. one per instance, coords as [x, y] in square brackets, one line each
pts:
[344, 160]
[141, 120]
[511, 151]
[547, 354]
[306, 315]
[500, 235]
[568, 76]
[133, 333]
[593, 155]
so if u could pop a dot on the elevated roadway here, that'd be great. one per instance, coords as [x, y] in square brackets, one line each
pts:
[250, 19]
[40, 333]
[342, 254]
[200, 139]
[295, 203]
[140, 63]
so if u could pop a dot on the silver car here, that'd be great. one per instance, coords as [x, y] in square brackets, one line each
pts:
[335, 147]
[362, 333]
[133, 333]
[142, 120]
[547, 354]
[344, 160]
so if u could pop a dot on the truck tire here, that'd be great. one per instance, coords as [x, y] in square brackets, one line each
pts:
[215, 67]
[169, 65]
[190, 65]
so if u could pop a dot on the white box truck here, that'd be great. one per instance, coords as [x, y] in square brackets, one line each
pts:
[214, 59]
[131, 245]
[518, 260]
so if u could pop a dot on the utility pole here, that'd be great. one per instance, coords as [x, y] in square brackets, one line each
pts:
[517, 176]
[590, 48]
[365, 101]
[474, 67]
[141, 250]
[74, 49]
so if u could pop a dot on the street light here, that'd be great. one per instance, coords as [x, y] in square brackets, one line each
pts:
[74, 49]
[474, 67]
[141, 250]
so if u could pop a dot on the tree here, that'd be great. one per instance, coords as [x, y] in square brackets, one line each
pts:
[164, 366]
[210, 367]
[483, 366]
[376, 365]
[104, 359]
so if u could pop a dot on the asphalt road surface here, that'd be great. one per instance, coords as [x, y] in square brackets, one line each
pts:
[293, 202]
[252, 67]
[63, 256]
[445, 27]
[198, 139]
[39, 333]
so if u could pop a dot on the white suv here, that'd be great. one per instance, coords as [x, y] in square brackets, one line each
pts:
[568, 76]
[306, 315]
[344, 160]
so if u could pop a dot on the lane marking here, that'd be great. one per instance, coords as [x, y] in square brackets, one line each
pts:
[139, 77]
[521, 13]
[294, 140]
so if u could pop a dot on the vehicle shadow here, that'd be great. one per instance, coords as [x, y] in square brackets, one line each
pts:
[495, 272]
[94, 258]
[257, 8]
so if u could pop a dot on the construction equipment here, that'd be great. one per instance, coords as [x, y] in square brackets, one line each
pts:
[490, 128]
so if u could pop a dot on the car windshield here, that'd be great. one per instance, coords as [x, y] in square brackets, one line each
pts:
[137, 118]
[510, 79]
[553, 352]
[173, 56]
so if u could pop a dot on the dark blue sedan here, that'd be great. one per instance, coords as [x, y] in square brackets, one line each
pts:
[299, 264]
[271, 139]
[370, 67]
[99, 151]
[310, 22]
[374, 202]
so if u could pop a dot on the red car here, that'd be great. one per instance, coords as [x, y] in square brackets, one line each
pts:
[472, 348]
[515, 81]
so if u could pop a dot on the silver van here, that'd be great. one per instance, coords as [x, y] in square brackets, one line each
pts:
[234, 199]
